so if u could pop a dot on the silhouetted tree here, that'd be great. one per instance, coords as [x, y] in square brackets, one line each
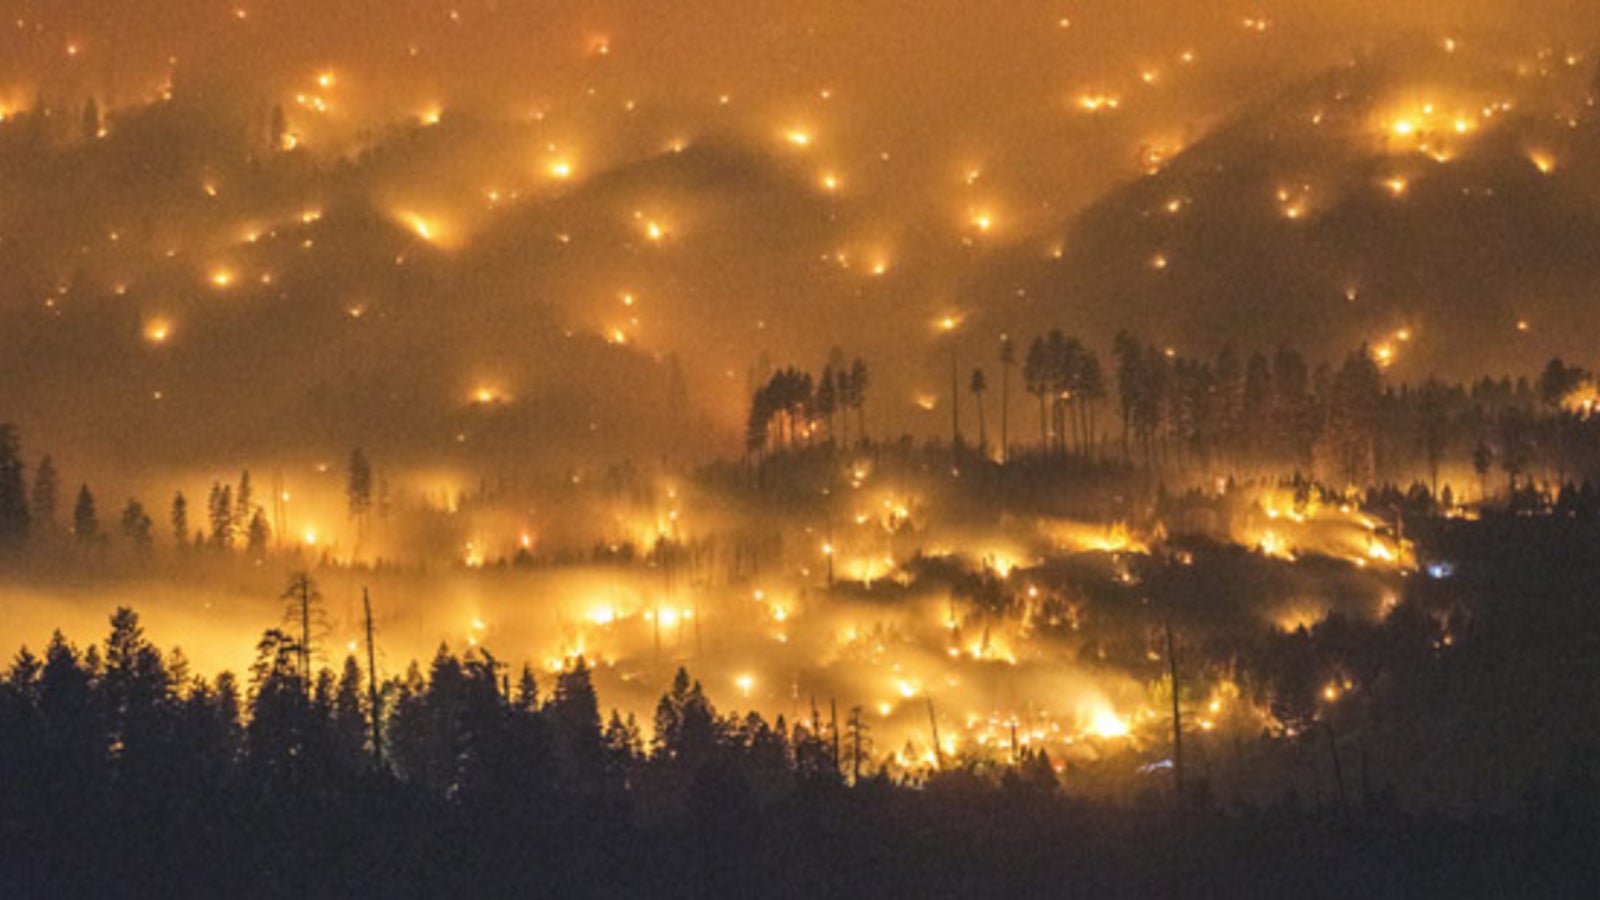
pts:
[574, 714]
[280, 738]
[858, 745]
[136, 689]
[180, 520]
[304, 603]
[978, 385]
[46, 495]
[73, 726]
[137, 527]
[1036, 380]
[1008, 361]
[827, 399]
[13, 493]
[358, 489]
[860, 380]
[85, 525]
[350, 718]
[221, 515]
[243, 501]
[1482, 461]
[259, 534]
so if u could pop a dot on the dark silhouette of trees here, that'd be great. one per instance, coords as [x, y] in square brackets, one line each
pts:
[137, 528]
[13, 494]
[85, 524]
[828, 399]
[111, 755]
[1482, 461]
[220, 509]
[859, 380]
[1347, 444]
[284, 735]
[1008, 361]
[259, 535]
[1036, 381]
[789, 408]
[358, 493]
[978, 385]
[46, 495]
[244, 506]
[303, 609]
[179, 519]
[574, 716]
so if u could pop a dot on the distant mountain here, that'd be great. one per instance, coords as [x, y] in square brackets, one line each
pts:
[1355, 208]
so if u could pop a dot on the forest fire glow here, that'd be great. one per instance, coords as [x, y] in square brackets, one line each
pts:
[641, 430]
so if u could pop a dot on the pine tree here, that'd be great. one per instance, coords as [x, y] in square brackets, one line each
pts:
[46, 495]
[860, 380]
[358, 494]
[828, 399]
[1008, 361]
[74, 726]
[259, 535]
[13, 495]
[221, 515]
[358, 487]
[279, 738]
[137, 527]
[858, 745]
[350, 718]
[243, 501]
[136, 688]
[303, 610]
[180, 521]
[978, 385]
[85, 525]
[574, 714]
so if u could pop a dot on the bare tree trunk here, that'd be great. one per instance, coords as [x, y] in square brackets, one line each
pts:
[1005, 413]
[372, 687]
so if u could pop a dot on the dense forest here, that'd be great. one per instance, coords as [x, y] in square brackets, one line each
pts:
[127, 774]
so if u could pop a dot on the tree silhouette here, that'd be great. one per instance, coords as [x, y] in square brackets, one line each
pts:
[1008, 360]
[243, 501]
[303, 608]
[221, 516]
[858, 745]
[1482, 461]
[860, 380]
[827, 398]
[179, 518]
[46, 495]
[259, 534]
[349, 715]
[85, 524]
[978, 385]
[13, 495]
[280, 740]
[1036, 380]
[574, 713]
[137, 527]
[358, 493]
[74, 735]
[136, 689]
